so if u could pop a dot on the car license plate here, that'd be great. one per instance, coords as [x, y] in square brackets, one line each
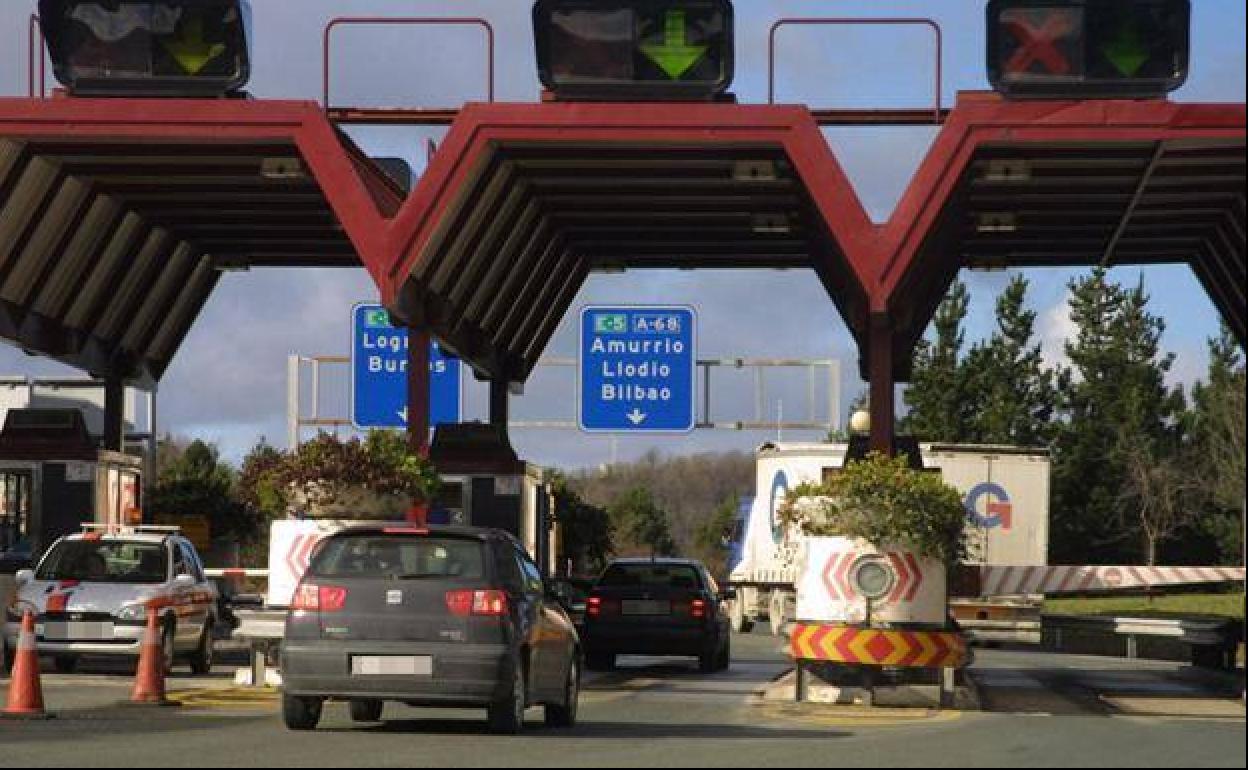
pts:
[642, 607]
[391, 665]
[78, 631]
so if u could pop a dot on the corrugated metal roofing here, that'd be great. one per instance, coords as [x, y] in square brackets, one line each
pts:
[109, 248]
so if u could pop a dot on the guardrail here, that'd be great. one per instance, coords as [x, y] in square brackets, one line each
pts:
[937, 112]
[405, 21]
[1209, 642]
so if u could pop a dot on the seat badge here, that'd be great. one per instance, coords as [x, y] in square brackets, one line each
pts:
[394, 597]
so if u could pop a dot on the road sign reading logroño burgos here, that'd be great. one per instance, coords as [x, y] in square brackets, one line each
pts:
[379, 374]
[637, 369]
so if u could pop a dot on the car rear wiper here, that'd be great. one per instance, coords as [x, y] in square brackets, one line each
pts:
[418, 575]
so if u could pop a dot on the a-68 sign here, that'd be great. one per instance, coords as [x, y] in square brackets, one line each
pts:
[637, 369]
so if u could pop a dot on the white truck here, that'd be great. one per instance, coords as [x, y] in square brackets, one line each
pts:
[1005, 491]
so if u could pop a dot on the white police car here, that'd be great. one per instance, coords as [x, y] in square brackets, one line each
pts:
[91, 593]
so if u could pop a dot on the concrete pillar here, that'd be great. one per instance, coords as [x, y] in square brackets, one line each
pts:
[418, 390]
[881, 370]
[114, 414]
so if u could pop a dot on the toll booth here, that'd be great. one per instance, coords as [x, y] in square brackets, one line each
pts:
[484, 484]
[54, 478]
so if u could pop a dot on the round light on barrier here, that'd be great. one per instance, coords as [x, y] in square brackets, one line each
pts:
[873, 577]
[860, 422]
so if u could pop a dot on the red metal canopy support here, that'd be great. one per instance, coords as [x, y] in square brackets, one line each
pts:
[882, 374]
[886, 278]
[418, 390]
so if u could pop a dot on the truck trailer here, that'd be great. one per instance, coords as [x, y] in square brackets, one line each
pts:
[1005, 491]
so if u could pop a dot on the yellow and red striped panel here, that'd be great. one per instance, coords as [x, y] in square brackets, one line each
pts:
[873, 647]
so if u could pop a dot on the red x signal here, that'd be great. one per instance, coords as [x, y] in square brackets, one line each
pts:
[1038, 43]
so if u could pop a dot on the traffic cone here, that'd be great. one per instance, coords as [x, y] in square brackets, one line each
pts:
[25, 690]
[149, 680]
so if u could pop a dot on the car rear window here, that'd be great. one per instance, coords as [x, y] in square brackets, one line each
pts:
[103, 561]
[676, 576]
[400, 556]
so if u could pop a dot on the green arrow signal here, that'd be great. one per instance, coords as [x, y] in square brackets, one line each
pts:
[674, 55]
[190, 50]
[1127, 51]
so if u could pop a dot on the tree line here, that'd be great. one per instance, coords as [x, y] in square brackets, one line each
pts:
[1143, 471]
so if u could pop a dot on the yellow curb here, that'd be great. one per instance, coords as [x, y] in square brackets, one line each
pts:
[858, 716]
[233, 697]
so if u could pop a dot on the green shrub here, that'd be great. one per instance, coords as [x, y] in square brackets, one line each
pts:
[881, 500]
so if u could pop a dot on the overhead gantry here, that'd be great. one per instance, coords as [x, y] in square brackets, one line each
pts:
[118, 215]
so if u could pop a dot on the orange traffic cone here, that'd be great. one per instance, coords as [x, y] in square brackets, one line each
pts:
[149, 680]
[25, 690]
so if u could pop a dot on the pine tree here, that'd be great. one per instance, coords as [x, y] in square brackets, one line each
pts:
[1218, 430]
[1114, 406]
[1008, 387]
[937, 393]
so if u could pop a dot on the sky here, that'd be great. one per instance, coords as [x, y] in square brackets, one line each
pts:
[227, 383]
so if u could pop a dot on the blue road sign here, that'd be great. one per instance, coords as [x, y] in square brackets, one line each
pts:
[637, 370]
[379, 374]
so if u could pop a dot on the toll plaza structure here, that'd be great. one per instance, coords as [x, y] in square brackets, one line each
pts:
[118, 213]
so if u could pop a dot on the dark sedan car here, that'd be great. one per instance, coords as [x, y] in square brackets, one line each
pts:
[455, 617]
[657, 607]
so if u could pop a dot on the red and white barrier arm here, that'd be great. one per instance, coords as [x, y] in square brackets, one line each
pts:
[1010, 581]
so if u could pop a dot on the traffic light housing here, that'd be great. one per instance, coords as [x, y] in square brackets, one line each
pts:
[634, 50]
[1092, 49]
[157, 48]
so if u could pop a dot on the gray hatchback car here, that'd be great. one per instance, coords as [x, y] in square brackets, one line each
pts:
[455, 617]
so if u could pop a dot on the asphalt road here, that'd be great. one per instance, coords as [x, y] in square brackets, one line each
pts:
[1044, 710]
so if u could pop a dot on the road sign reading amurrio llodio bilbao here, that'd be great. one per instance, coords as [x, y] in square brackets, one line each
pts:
[379, 374]
[637, 369]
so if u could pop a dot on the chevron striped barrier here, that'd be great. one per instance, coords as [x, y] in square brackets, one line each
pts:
[874, 647]
[1009, 581]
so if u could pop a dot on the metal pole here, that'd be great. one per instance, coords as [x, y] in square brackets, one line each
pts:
[759, 408]
[799, 689]
[316, 388]
[292, 401]
[834, 394]
[810, 393]
[706, 393]
[150, 476]
[114, 414]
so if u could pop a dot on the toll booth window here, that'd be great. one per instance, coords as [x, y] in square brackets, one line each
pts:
[14, 511]
[105, 562]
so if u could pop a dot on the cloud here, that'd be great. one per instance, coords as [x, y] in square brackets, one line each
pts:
[1055, 327]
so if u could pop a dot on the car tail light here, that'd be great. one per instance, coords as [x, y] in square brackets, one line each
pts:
[489, 603]
[313, 598]
[697, 608]
[596, 606]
